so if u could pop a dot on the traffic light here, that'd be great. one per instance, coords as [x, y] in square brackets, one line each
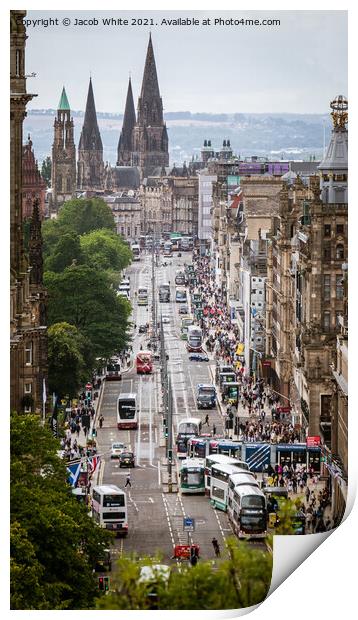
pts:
[106, 584]
[170, 455]
[103, 583]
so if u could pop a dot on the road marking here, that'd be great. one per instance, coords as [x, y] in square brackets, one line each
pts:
[133, 502]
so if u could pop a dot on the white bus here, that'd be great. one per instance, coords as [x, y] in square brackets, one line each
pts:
[135, 251]
[238, 479]
[167, 249]
[248, 514]
[192, 476]
[181, 296]
[189, 427]
[142, 296]
[109, 508]
[219, 484]
[220, 459]
[127, 414]
[195, 338]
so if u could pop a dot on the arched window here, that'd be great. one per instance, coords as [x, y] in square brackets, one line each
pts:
[340, 251]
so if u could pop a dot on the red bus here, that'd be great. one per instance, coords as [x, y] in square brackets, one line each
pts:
[144, 362]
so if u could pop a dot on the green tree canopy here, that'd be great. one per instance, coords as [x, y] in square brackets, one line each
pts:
[82, 215]
[54, 544]
[103, 249]
[67, 249]
[82, 297]
[69, 359]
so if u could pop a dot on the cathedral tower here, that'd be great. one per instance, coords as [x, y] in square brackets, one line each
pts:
[150, 138]
[63, 172]
[125, 140]
[90, 149]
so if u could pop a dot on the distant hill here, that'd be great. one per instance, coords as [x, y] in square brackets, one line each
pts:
[283, 136]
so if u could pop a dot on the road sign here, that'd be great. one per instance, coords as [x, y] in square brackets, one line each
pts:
[188, 524]
[313, 441]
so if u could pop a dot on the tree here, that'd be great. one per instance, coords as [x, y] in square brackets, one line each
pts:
[240, 581]
[54, 544]
[46, 170]
[83, 297]
[103, 249]
[82, 215]
[65, 251]
[69, 359]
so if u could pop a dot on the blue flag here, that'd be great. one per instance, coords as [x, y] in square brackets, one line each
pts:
[74, 472]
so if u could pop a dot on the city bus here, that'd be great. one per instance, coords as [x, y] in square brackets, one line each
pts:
[180, 278]
[185, 322]
[113, 370]
[167, 252]
[238, 479]
[248, 512]
[142, 296]
[109, 508]
[192, 476]
[135, 251]
[219, 483]
[144, 362]
[189, 427]
[127, 415]
[181, 296]
[164, 292]
[220, 459]
[195, 338]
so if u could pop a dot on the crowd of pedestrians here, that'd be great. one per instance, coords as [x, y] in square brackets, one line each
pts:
[79, 420]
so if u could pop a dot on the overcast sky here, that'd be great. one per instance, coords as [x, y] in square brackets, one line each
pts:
[296, 67]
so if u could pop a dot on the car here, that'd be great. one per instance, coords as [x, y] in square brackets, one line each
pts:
[117, 449]
[126, 459]
[142, 329]
[198, 357]
[166, 319]
[183, 309]
[179, 254]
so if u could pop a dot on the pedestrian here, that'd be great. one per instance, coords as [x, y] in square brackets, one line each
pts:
[100, 420]
[206, 419]
[128, 481]
[78, 429]
[200, 426]
[214, 429]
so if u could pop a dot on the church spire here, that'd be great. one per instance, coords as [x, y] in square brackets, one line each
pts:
[90, 136]
[150, 108]
[90, 150]
[125, 139]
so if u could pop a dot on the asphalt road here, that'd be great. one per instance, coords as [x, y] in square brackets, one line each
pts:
[156, 518]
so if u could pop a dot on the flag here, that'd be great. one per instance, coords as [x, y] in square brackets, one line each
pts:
[74, 472]
[44, 396]
[93, 463]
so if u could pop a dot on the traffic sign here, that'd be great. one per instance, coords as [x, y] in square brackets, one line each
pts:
[188, 524]
[313, 440]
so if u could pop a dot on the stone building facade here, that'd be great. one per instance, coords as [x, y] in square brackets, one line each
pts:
[33, 185]
[28, 334]
[63, 171]
[126, 209]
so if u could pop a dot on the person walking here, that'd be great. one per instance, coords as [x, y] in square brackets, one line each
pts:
[100, 420]
[128, 481]
[214, 429]
[216, 546]
[206, 421]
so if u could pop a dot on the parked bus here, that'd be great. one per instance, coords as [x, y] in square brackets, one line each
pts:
[167, 249]
[109, 508]
[142, 296]
[135, 251]
[144, 362]
[185, 322]
[189, 427]
[239, 478]
[221, 459]
[192, 476]
[127, 415]
[219, 483]
[205, 396]
[164, 292]
[181, 296]
[113, 370]
[180, 278]
[195, 338]
[248, 513]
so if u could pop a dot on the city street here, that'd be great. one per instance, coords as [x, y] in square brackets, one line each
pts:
[156, 518]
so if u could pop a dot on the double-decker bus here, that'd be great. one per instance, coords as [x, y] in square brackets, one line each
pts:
[181, 296]
[248, 512]
[144, 362]
[192, 476]
[113, 370]
[164, 292]
[188, 427]
[219, 483]
[135, 251]
[142, 296]
[109, 508]
[167, 251]
[127, 414]
[180, 278]
[220, 459]
[195, 338]
[185, 322]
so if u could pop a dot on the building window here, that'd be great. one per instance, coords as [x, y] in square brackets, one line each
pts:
[340, 251]
[28, 388]
[135, 231]
[326, 321]
[338, 318]
[326, 287]
[28, 354]
[327, 230]
[122, 231]
[340, 229]
[327, 251]
[325, 406]
[339, 286]
[128, 231]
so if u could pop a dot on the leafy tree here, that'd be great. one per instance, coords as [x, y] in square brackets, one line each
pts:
[286, 514]
[66, 250]
[51, 233]
[82, 215]
[103, 249]
[46, 169]
[69, 359]
[83, 297]
[54, 544]
[240, 581]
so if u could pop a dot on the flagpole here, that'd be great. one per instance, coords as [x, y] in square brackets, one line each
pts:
[43, 401]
